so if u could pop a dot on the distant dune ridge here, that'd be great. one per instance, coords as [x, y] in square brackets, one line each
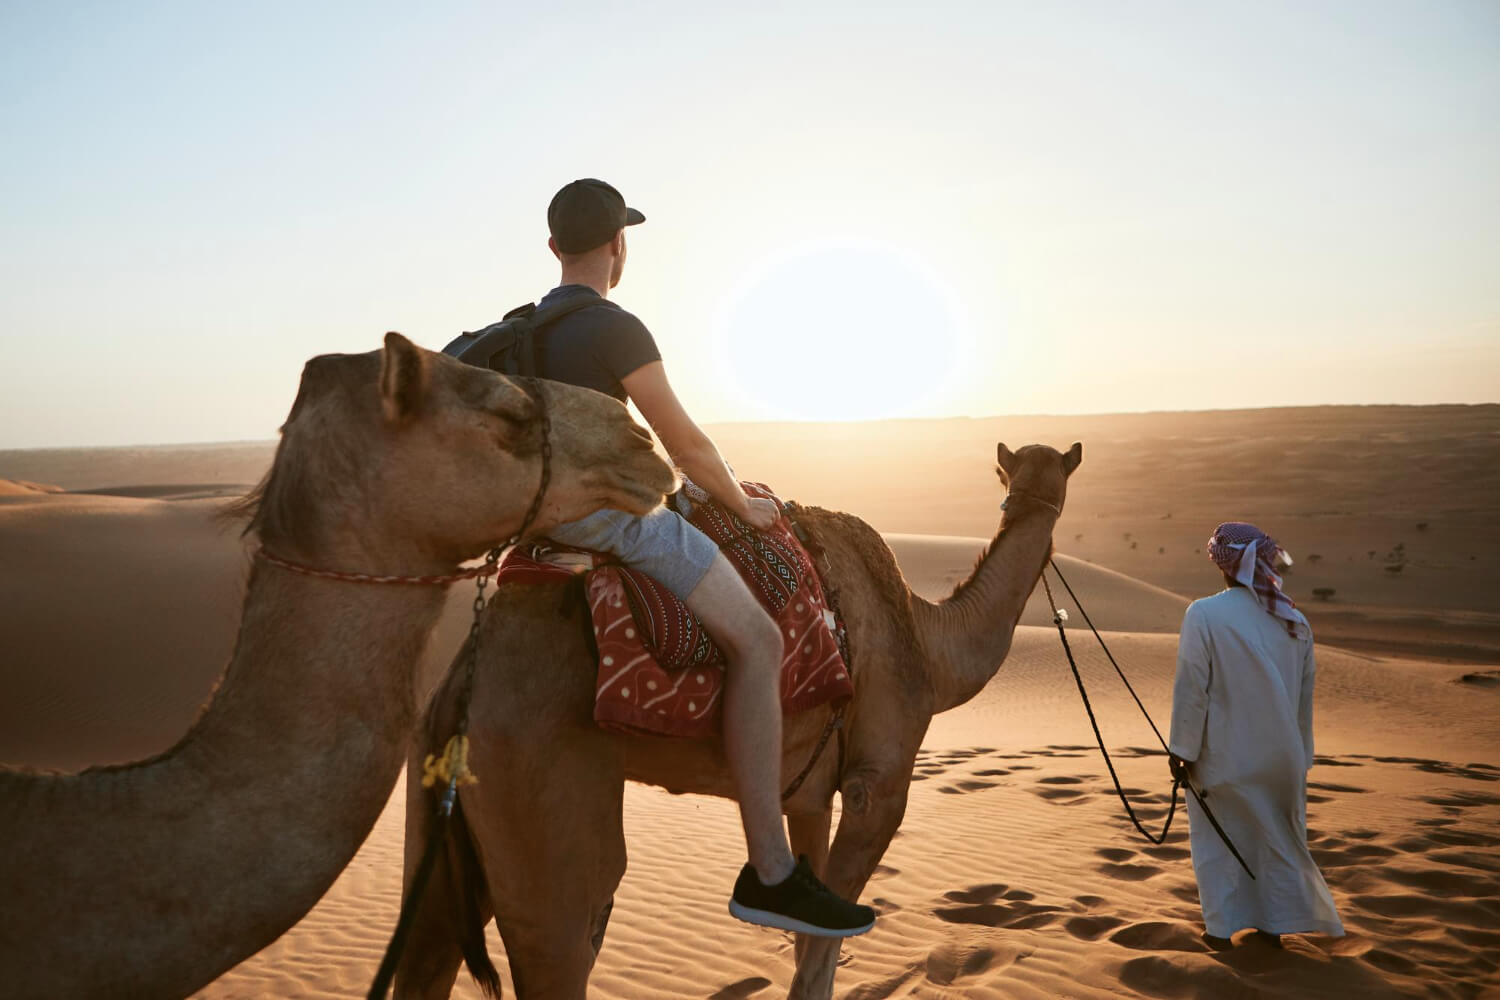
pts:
[1014, 873]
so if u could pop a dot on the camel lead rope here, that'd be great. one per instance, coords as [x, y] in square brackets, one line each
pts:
[1059, 616]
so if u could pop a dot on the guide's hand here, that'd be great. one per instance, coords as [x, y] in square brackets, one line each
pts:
[1179, 767]
[761, 513]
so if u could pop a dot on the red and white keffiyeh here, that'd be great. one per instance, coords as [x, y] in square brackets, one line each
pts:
[1249, 556]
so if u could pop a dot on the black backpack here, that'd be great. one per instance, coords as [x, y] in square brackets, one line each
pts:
[510, 346]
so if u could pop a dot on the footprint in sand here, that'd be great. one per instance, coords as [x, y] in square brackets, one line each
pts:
[1091, 928]
[1448, 837]
[977, 893]
[1154, 976]
[1156, 935]
[966, 786]
[1187, 892]
[1448, 912]
[1326, 786]
[1462, 800]
[1019, 916]
[1015, 910]
[1166, 853]
[1332, 852]
[1443, 883]
[1129, 872]
[741, 989]
[1335, 762]
[950, 963]
[1139, 752]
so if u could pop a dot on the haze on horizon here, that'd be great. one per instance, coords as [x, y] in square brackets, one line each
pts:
[854, 211]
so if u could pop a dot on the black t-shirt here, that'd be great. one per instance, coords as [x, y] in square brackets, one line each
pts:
[595, 346]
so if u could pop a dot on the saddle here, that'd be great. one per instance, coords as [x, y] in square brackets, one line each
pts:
[659, 671]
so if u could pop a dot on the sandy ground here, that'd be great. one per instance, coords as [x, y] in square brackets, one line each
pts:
[1015, 873]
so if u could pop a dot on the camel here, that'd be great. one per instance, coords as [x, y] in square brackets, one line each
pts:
[538, 842]
[152, 878]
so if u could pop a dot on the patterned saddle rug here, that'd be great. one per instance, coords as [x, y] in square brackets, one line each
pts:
[659, 671]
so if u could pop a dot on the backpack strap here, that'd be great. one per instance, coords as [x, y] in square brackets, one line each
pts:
[509, 346]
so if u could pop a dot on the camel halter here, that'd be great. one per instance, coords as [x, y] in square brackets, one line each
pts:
[485, 569]
[1005, 504]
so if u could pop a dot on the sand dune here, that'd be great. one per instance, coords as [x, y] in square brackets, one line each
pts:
[1015, 873]
[22, 488]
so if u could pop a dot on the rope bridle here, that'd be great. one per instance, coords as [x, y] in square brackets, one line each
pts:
[1014, 494]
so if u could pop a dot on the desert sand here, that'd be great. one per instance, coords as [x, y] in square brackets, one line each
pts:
[1015, 873]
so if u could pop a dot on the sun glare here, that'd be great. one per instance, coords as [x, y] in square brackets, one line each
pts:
[841, 332]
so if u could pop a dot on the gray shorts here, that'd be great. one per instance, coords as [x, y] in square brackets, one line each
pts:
[662, 544]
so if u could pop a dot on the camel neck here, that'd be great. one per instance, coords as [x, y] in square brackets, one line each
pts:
[274, 788]
[968, 635]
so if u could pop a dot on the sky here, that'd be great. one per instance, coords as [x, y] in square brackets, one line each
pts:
[854, 210]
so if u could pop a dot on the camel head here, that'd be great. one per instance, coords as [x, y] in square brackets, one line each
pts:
[1038, 471]
[415, 456]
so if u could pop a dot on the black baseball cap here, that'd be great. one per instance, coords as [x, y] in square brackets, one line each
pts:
[587, 213]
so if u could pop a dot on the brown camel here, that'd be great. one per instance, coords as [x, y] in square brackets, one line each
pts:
[152, 878]
[538, 842]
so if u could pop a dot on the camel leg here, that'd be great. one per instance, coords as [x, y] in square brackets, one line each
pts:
[873, 809]
[809, 835]
[431, 957]
[549, 828]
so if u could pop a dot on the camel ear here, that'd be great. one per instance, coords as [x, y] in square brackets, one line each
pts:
[1072, 458]
[403, 378]
[1007, 460]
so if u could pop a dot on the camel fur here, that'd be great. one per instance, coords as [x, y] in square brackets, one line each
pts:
[150, 879]
[538, 843]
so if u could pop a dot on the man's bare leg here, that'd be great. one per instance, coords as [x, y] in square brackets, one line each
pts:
[751, 642]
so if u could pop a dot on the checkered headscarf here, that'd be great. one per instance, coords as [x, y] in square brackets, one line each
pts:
[1249, 555]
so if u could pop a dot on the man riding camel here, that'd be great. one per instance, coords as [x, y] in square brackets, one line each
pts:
[603, 347]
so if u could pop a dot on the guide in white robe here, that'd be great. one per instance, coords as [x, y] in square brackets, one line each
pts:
[1242, 711]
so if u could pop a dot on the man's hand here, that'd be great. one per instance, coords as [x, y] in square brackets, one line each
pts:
[1179, 767]
[761, 513]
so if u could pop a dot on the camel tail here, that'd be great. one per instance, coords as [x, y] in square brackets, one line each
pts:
[462, 862]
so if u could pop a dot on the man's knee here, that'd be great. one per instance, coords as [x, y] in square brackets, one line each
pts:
[764, 638]
[735, 619]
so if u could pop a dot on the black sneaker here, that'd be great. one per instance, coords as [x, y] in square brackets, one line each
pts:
[801, 903]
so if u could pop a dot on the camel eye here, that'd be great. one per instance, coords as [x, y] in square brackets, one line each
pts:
[516, 410]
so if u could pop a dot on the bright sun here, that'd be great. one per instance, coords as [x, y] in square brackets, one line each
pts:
[841, 332]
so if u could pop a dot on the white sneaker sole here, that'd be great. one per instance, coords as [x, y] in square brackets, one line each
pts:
[768, 918]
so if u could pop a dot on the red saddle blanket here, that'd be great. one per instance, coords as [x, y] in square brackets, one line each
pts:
[659, 671]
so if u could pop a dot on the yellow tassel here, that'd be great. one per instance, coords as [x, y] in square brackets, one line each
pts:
[454, 763]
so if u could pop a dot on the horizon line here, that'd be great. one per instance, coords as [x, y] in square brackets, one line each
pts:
[232, 442]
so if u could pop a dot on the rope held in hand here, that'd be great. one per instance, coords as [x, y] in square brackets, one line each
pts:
[1058, 617]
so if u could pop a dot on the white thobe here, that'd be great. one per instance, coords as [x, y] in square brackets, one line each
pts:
[1242, 710]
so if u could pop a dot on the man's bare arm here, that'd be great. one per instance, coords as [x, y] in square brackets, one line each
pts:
[692, 450]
